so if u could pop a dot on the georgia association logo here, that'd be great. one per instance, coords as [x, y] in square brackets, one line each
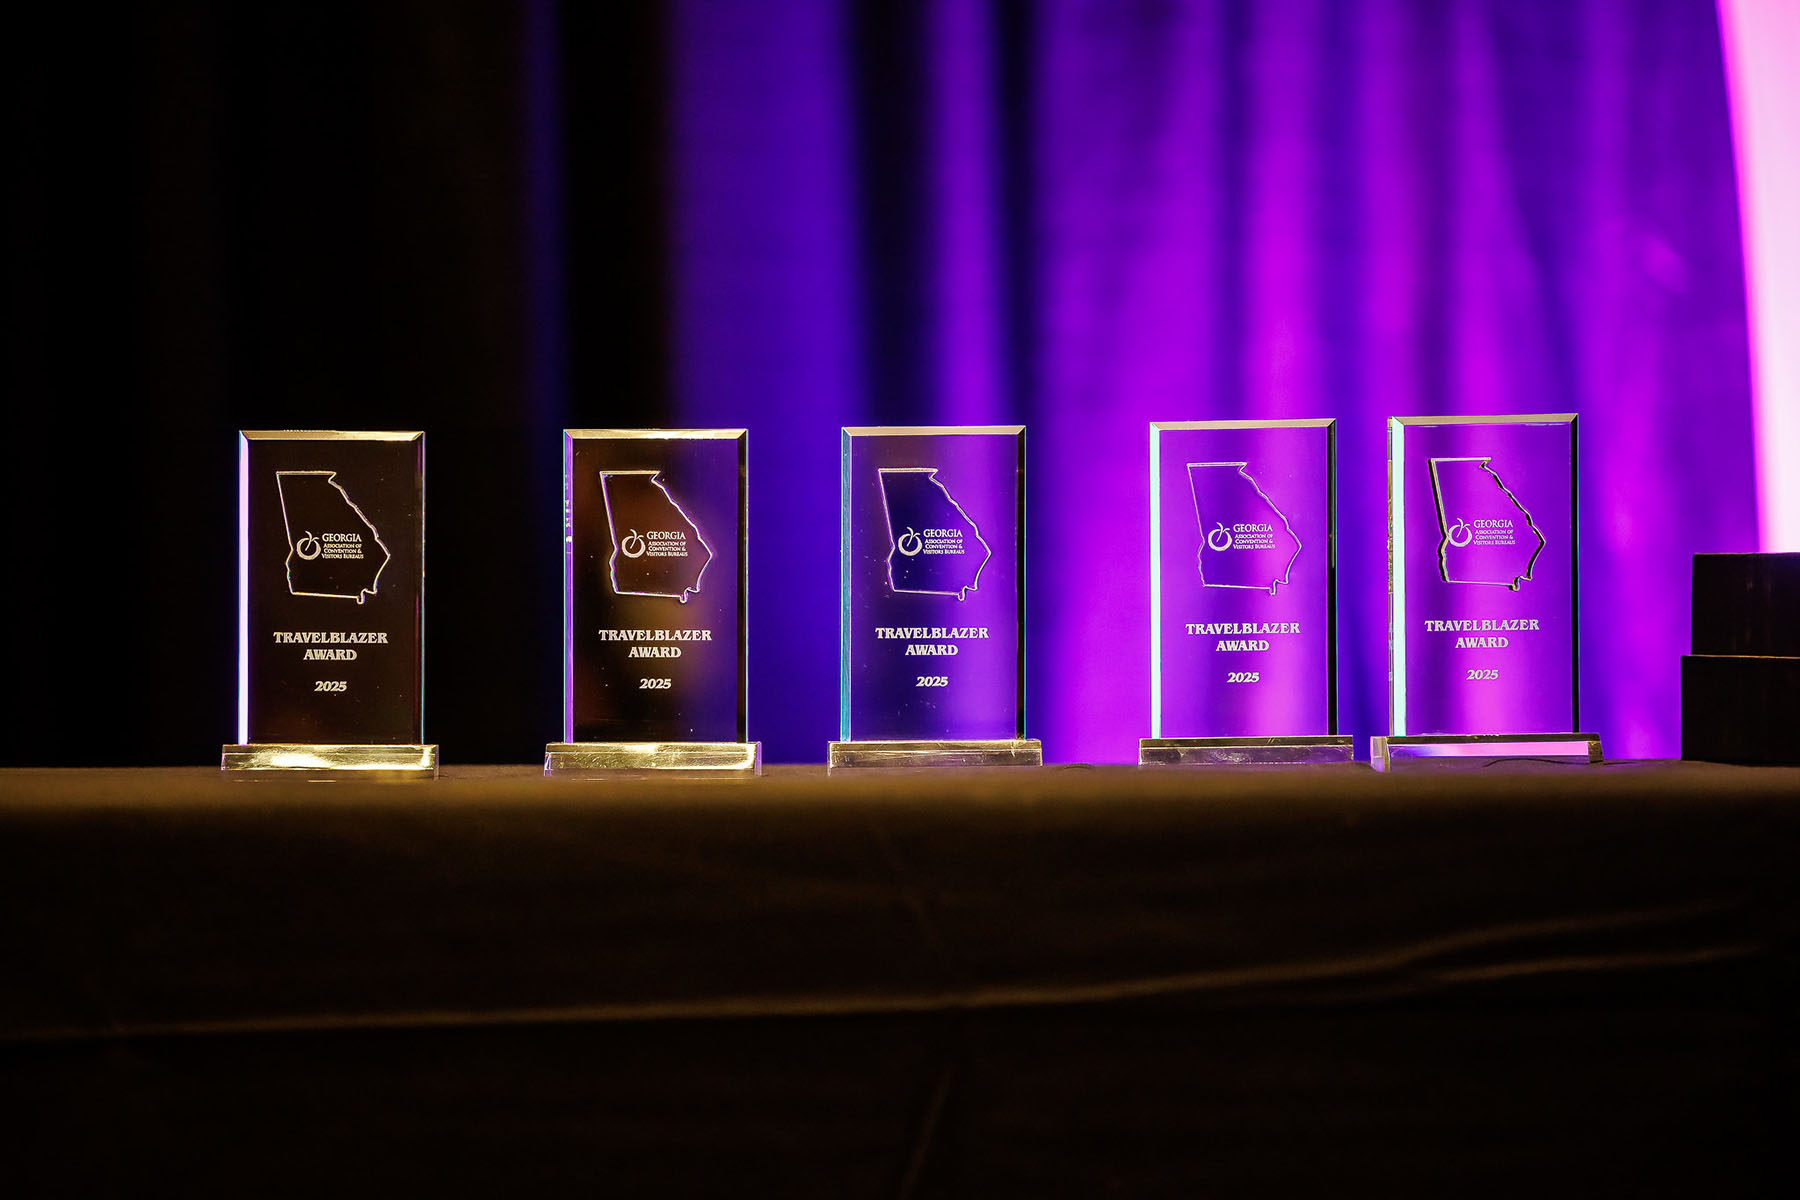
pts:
[662, 551]
[910, 543]
[1460, 534]
[1219, 538]
[338, 544]
[329, 545]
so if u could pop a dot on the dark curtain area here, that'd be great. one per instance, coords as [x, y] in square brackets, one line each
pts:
[311, 216]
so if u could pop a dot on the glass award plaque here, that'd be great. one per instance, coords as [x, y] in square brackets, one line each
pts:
[331, 612]
[931, 634]
[1243, 594]
[1482, 604]
[655, 627]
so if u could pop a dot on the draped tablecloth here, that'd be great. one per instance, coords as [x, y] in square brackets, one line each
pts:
[1058, 981]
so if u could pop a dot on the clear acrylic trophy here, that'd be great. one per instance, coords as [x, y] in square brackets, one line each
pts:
[655, 629]
[932, 648]
[1243, 594]
[1483, 602]
[331, 585]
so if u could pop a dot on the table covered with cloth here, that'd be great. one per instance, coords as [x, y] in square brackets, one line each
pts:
[1059, 981]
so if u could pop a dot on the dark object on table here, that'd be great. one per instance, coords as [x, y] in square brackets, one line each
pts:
[1740, 688]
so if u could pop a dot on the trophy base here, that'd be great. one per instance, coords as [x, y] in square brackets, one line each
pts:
[1000, 752]
[1482, 749]
[571, 758]
[326, 760]
[1236, 752]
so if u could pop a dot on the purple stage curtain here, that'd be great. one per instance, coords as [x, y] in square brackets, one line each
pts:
[1089, 215]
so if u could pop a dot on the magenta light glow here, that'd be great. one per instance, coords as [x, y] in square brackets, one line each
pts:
[1762, 49]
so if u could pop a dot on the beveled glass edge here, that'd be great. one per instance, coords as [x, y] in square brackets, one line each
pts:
[329, 756]
[243, 672]
[844, 617]
[928, 430]
[1298, 423]
[1497, 419]
[1333, 712]
[568, 583]
[1396, 583]
[653, 434]
[991, 752]
[742, 436]
[1575, 575]
[577, 757]
[422, 528]
[331, 435]
[1329, 425]
[1020, 494]
[570, 437]
[1156, 650]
